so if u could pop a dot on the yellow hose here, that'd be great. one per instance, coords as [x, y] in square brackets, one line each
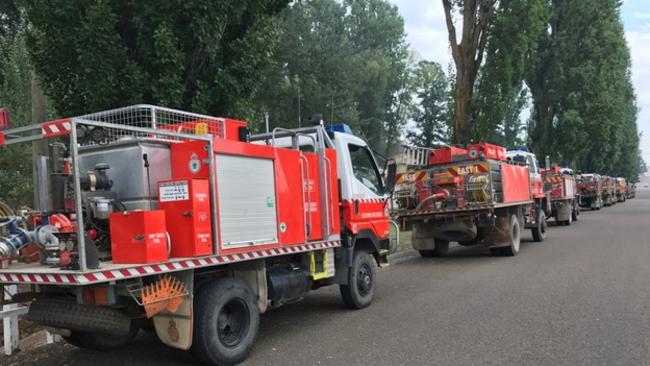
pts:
[5, 210]
[477, 185]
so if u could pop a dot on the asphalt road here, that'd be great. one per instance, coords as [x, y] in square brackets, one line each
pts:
[582, 297]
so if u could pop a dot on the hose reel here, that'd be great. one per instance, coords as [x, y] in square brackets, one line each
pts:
[478, 188]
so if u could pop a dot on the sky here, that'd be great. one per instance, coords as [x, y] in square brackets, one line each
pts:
[427, 34]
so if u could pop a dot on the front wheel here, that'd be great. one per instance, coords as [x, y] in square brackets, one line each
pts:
[226, 320]
[362, 277]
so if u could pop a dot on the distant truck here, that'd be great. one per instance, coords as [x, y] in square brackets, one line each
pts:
[590, 187]
[561, 185]
[621, 189]
[474, 195]
[631, 190]
[609, 191]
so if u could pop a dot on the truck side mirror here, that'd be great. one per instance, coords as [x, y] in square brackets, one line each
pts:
[390, 177]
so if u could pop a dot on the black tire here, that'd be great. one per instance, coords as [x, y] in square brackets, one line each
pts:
[496, 252]
[226, 320]
[101, 342]
[576, 213]
[362, 281]
[539, 231]
[440, 250]
[515, 238]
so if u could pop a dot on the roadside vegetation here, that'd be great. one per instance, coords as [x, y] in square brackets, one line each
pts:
[551, 75]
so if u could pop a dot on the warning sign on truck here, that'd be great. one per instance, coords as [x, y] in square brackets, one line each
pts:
[174, 191]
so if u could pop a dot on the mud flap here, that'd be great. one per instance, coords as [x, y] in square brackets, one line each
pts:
[175, 329]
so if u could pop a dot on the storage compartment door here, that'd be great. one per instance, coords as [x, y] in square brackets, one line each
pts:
[247, 204]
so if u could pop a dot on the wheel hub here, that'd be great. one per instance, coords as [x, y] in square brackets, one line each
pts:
[232, 323]
[364, 280]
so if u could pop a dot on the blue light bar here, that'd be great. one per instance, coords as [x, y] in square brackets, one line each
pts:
[341, 127]
[523, 148]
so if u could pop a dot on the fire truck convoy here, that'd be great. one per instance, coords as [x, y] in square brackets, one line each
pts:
[150, 217]
[479, 194]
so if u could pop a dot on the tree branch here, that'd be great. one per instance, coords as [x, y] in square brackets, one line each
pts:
[451, 29]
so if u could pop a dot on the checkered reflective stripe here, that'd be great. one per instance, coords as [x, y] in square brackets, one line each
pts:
[56, 128]
[100, 276]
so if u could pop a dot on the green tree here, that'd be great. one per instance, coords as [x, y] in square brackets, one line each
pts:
[15, 69]
[207, 56]
[431, 118]
[584, 103]
[500, 95]
[347, 60]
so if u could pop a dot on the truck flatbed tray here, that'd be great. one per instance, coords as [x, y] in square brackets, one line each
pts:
[36, 273]
[452, 210]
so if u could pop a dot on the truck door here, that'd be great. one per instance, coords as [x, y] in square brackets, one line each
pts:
[364, 205]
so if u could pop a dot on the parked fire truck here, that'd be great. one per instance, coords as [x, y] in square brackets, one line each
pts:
[561, 185]
[478, 194]
[621, 189]
[190, 224]
[609, 191]
[631, 190]
[590, 187]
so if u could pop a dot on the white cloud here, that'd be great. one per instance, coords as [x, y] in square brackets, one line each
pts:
[426, 29]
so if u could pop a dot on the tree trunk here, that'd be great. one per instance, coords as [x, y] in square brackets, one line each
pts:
[462, 104]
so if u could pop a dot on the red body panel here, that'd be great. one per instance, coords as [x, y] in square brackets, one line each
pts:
[368, 214]
[232, 128]
[516, 183]
[138, 237]
[489, 151]
[446, 155]
[537, 187]
[292, 196]
[5, 120]
[2, 138]
[188, 217]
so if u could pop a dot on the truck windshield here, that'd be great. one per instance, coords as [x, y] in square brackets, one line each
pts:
[364, 168]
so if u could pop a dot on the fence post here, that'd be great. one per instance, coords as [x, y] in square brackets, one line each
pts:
[10, 323]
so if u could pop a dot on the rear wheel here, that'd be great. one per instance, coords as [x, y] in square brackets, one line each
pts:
[440, 250]
[99, 341]
[226, 321]
[575, 214]
[362, 277]
[514, 231]
[539, 231]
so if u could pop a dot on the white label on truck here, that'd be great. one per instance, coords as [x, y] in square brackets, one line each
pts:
[174, 191]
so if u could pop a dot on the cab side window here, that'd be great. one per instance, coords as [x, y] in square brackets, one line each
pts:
[364, 168]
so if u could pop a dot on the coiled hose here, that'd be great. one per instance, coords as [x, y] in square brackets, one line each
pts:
[477, 186]
[5, 210]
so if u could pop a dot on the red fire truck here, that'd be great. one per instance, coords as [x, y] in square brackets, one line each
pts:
[150, 217]
[621, 189]
[590, 188]
[472, 195]
[609, 191]
[561, 185]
